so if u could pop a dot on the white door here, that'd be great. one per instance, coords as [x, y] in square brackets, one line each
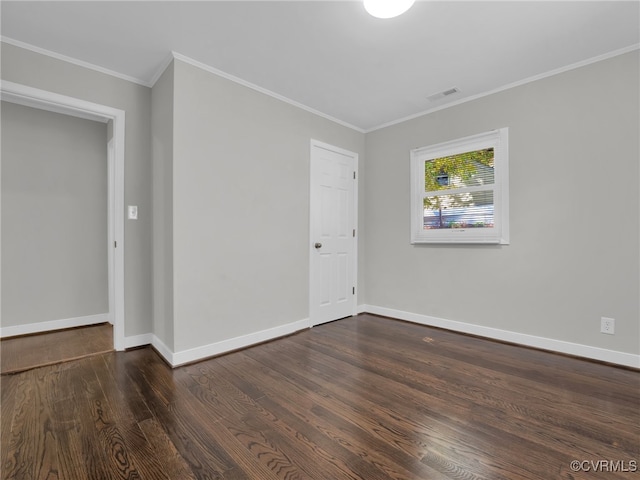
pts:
[333, 261]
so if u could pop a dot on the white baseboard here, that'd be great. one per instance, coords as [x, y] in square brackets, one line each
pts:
[138, 340]
[586, 351]
[163, 350]
[194, 354]
[51, 325]
[149, 339]
[218, 348]
[205, 351]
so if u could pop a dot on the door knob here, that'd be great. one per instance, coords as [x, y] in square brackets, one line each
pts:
[318, 245]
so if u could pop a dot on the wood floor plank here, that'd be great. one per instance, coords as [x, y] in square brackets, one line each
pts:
[99, 441]
[186, 423]
[136, 457]
[271, 426]
[70, 434]
[543, 403]
[362, 398]
[46, 466]
[531, 406]
[173, 464]
[391, 426]
[317, 406]
[337, 461]
[573, 375]
[18, 442]
[253, 427]
[32, 351]
[8, 398]
[124, 388]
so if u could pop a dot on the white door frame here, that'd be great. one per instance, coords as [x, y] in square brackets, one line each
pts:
[354, 267]
[53, 102]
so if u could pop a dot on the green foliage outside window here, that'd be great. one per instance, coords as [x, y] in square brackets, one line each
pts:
[461, 167]
[458, 171]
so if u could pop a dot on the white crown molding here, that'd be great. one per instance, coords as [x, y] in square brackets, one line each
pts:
[543, 343]
[509, 86]
[175, 55]
[257, 88]
[74, 61]
[163, 66]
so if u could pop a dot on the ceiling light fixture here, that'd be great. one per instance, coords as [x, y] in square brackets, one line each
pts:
[387, 8]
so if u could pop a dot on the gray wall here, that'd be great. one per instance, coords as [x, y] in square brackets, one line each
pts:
[40, 71]
[241, 207]
[574, 252]
[54, 216]
[231, 202]
[162, 141]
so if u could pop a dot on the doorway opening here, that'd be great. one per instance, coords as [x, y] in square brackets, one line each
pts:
[44, 100]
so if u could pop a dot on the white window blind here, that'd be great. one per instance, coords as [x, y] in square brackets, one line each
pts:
[460, 190]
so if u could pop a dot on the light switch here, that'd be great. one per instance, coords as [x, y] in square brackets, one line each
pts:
[132, 212]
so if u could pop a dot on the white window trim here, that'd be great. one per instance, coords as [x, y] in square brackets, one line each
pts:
[499, 234]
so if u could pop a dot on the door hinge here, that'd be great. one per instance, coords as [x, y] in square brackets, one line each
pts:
[354, 175]
[115, 244]
[354, 232]
[353, 291]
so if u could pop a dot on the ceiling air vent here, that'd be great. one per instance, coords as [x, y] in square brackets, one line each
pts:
[445, 93]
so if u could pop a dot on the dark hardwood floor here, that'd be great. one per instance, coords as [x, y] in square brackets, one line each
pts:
[31, 351]
[361, 398]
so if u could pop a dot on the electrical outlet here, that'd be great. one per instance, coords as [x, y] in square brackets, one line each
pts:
[607, 325]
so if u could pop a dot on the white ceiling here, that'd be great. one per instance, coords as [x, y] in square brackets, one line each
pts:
[331, 56]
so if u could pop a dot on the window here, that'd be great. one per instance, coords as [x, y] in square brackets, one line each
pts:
[459, 190]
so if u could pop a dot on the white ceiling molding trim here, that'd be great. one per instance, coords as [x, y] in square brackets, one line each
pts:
[74, 61]
[550, 73]
[163, 66]
[175, 55]
[260, 89]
